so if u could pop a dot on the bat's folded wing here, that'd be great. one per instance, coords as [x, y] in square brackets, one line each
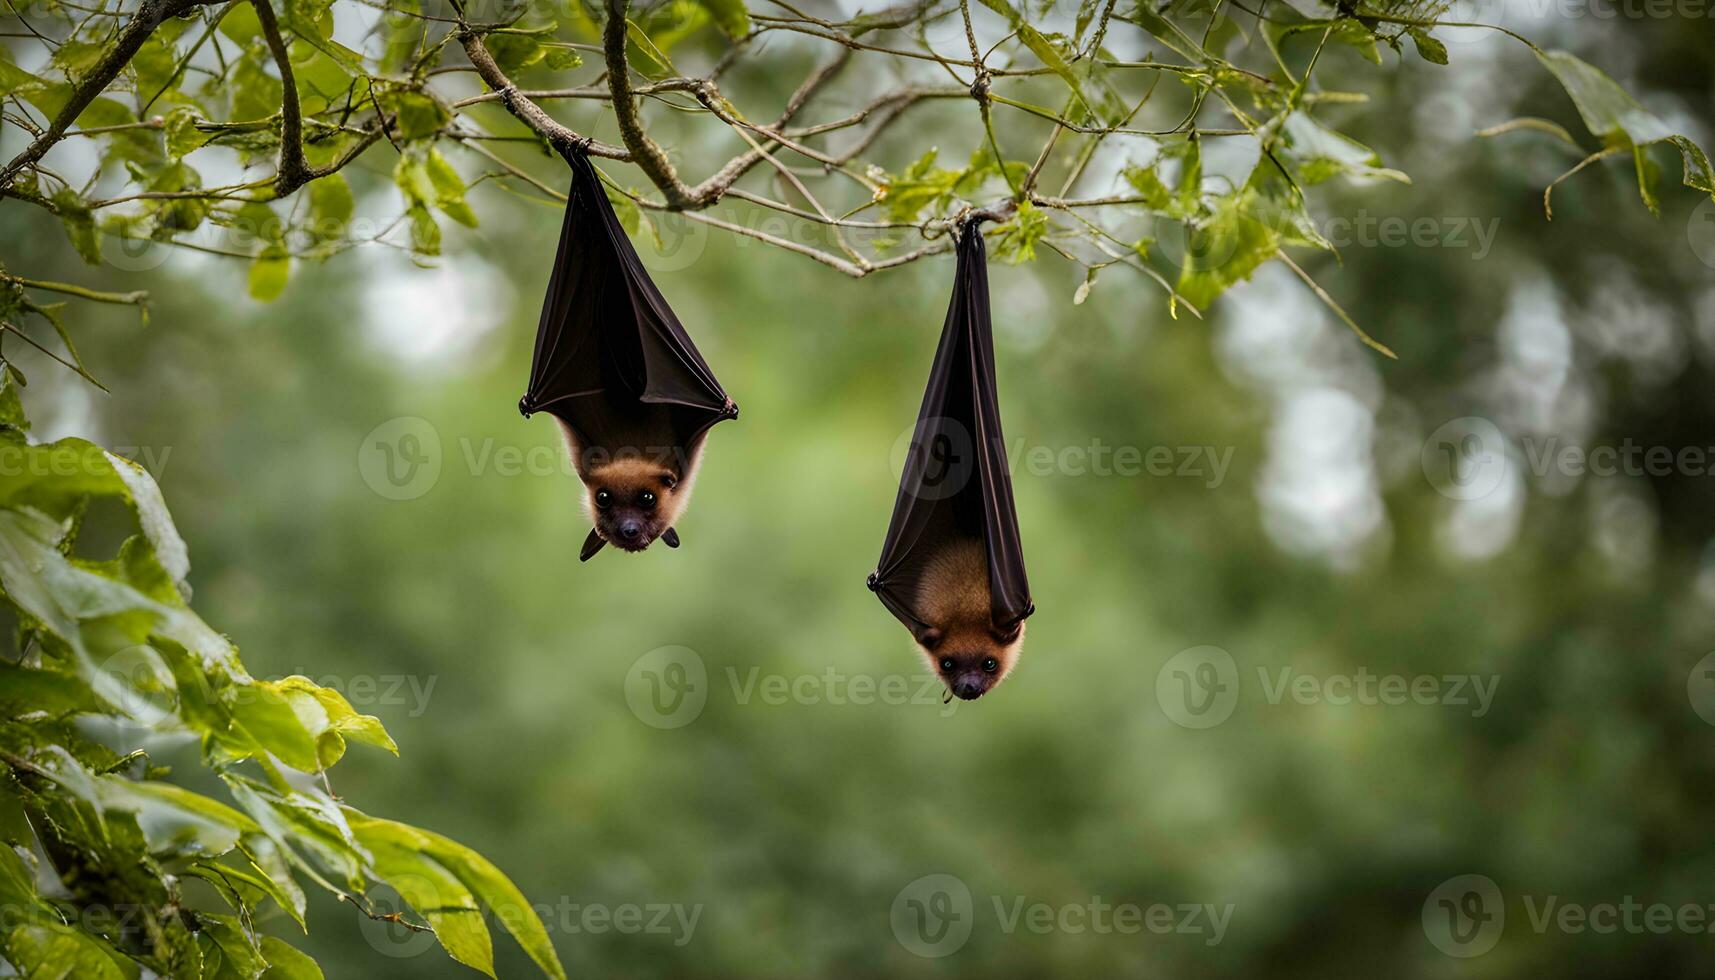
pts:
[607, 339]
[956, 482]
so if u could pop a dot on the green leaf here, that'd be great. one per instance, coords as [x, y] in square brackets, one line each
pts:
[417, 116]
[76, 57]
[286, 962]
[255, 93]
[278, 722]
[1167, 33]
[729, 15]
[433, 890]
[494, 889]
[1354, 34]
[176, 820]
[306, 822]
[562, 59]
[274, 874]
[331, 207]
[425, 232]
[182, 134]
[79, 223]
[448, 189]
[514, 52]
[241, 957]
[268, 273]
[15, 80]
[342, 719]
[1321, 154]
[1429, 48]
[1018, 238]
[241, 24]
[51, 951]
[1621, 122]
[25, 691]
[1224, 249]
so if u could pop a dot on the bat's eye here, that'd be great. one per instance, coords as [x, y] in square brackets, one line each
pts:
[947, 664]
[646, 500]
[990, 665]
[603, 499]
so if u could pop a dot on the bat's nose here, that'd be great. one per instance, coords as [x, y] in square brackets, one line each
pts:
[967, 689]
[630, 530]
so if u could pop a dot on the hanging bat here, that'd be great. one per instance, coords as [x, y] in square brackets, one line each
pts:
[633, 398]
[959, 639]
[952, 568]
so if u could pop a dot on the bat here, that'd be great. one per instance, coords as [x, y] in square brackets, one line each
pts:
[613, 365]
[952, 567]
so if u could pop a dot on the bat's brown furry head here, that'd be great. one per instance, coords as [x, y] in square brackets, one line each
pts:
[961, 644]
[631, 497]
[634, 501]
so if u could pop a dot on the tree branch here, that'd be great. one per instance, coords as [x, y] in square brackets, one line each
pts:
[150, 15]
[292, 172]
[645, 152]
[529, 113]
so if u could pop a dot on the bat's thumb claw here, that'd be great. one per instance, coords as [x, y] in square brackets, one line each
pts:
[592, 544]
[671, 537]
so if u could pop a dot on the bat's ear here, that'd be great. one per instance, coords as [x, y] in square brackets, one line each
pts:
[671, 537]
[592, 544]
[929, 637]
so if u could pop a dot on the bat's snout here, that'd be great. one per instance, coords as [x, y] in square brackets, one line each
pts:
[969, 688]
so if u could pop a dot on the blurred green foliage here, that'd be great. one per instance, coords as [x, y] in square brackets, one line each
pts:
[791, 831]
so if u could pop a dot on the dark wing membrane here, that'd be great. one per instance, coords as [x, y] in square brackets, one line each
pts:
[956, 481]
[607, 339]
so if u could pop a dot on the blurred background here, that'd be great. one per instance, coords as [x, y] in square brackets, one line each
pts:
[1320, 635]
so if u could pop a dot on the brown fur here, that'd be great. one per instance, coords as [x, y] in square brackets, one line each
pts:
[626, 475]
[954, 601]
